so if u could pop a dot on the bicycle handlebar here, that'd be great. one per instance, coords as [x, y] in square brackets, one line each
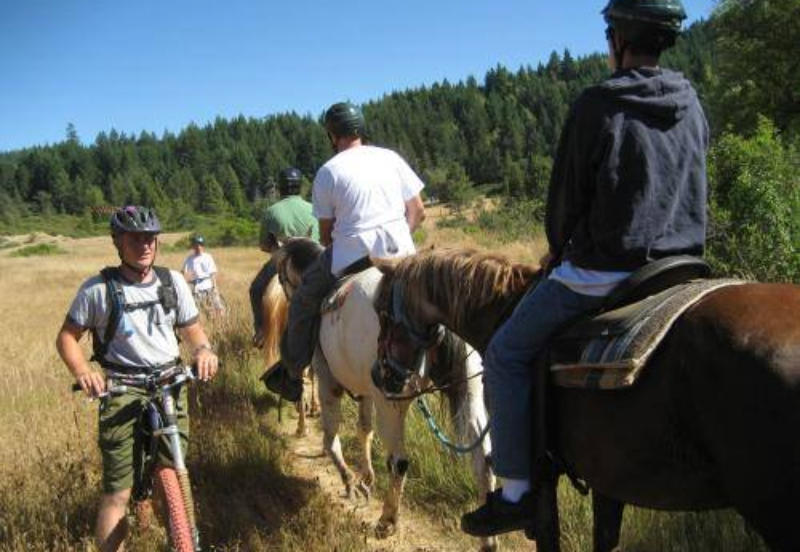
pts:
[174, 375]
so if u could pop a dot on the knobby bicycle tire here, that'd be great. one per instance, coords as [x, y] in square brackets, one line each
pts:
[180, 530]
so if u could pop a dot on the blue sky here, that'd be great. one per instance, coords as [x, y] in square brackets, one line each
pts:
[155, 66]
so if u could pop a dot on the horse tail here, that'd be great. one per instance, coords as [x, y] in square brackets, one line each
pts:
[275, 307]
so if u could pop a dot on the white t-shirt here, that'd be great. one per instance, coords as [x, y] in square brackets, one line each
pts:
[145, 337]
[365, 189]
[199, 269]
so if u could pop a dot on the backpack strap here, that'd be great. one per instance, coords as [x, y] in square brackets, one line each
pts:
[115, 299]
[167, 294]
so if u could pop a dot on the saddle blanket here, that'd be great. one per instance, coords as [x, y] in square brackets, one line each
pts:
[609, 350]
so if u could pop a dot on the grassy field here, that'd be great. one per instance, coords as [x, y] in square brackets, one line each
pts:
[248, 498]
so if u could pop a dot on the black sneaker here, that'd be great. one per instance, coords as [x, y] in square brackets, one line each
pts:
[279, 381]
[498, 516]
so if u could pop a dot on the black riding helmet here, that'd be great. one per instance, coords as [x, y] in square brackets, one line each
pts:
[289, 181]
[650, 25]
[198, 240]
[345, 119]
[135, 218]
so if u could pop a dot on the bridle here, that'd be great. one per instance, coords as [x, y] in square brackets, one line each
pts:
[399, 333]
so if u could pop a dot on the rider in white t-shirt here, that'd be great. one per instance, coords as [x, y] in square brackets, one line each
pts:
[367, 201]
[363, 192]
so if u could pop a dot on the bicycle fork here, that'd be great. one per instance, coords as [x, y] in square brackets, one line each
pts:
[170, 430]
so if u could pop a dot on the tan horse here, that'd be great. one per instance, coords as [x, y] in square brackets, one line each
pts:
[275, 307]
[713, 421]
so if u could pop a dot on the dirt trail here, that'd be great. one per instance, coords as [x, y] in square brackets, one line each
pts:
[416, 532]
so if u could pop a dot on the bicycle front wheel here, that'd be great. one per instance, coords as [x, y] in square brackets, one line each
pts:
[180, 529]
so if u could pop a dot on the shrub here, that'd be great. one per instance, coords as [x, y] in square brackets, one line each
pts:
[754, 207]
[513, 218]
[40, 249]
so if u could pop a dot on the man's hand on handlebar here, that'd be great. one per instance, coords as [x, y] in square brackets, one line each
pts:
[93, 383]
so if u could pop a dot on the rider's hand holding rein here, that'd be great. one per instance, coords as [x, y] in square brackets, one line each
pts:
[203, 356]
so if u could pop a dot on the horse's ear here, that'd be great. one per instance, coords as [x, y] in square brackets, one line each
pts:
[386, 266]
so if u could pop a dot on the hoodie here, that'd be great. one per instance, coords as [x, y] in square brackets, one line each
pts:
[629, 179]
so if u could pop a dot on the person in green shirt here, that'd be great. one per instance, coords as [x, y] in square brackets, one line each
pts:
[287, 218]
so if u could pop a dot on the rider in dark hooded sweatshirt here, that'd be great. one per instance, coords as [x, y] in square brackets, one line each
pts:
[628, 187]
[629, 183]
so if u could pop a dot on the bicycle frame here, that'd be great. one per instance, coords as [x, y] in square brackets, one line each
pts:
[159, 386]
[160, 417]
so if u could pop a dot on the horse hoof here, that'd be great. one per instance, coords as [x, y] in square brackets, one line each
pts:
[490, 545]
[301, 432]
[385, 529]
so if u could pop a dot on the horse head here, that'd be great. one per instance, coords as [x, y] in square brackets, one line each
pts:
[467, 291]
[404, 338]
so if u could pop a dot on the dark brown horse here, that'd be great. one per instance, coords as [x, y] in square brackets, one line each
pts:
[713, 422]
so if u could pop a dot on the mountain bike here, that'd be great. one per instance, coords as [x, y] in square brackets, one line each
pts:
[159, 420]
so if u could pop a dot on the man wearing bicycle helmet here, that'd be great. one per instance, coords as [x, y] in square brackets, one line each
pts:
[290, 217]
[367, 200]
[200, 270]
[132, 310]
[628, 187]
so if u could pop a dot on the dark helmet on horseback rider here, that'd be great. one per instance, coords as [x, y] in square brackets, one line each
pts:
[198, 239]
[647, 26]
[134, 218]
[345, 119]
[289, 181]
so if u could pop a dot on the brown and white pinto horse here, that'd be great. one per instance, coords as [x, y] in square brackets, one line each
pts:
[713, 421]
[343, 362]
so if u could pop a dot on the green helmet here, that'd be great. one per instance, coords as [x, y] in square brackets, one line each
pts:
[345, 119]
[664, 15]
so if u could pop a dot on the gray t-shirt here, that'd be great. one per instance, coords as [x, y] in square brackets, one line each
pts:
[145, 337]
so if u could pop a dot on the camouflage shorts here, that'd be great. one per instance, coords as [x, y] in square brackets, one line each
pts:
[123, 447]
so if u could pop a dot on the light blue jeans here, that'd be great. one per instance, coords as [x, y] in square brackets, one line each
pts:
[509, 369]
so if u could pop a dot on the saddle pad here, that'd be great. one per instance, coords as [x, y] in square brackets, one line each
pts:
[608, 351]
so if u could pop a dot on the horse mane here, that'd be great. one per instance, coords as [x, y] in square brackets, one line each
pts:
[460, 281]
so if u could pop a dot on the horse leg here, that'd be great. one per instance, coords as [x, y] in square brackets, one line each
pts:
[391, 425]
[302, 429]
[313, 409]
[330, 396]
[607, 519]
[365, 434]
